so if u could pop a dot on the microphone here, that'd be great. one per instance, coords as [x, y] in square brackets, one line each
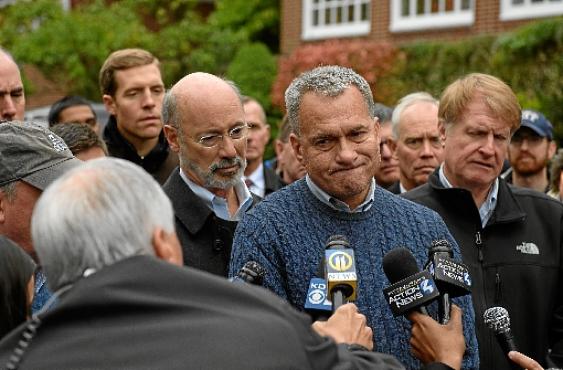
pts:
[251, 273]
[317, 303]
[498, 320]
[410, 289]
[340, 271]
[451, 277]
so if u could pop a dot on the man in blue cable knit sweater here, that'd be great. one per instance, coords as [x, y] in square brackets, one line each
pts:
[336, 138]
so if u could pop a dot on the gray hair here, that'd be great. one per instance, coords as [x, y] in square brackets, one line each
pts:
[405, 102]
[327, 80]
[9, 191]
[97, 214]
[383, 113]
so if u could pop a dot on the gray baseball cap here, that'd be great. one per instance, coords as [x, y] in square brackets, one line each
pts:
[32, 153]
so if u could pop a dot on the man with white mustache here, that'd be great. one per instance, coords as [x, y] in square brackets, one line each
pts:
[204, 123]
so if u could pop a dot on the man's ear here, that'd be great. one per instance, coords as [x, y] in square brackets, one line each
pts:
[297, 147]
[552, 149]
[171, 134]
[109, 103]
[167, 246]
[442, 130]
[3, 201]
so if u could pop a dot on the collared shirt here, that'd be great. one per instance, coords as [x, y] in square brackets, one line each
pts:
[41, 292]
[337, 204]
[402, 188]
[219, 205]
[258, 185]
[487, 208]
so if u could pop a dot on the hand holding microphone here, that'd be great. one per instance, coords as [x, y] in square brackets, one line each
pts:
[251, 273]
[433, 342]
[346, 325]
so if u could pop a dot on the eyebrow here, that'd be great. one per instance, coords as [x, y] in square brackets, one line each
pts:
[15, 90]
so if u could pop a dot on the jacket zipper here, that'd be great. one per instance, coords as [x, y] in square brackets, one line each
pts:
[498, 291]
[479, 244]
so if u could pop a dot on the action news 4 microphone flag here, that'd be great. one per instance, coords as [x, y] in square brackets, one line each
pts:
[411, 289]
[410, 293]
[451, 277]
[448, 273]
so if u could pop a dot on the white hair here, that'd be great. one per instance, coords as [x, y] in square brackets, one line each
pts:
[405, 102]
[97, 214]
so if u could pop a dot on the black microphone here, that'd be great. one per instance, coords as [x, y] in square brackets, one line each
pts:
[451, 277]
[498, 320]
[410, 289]
[251, 273]
[340, 271]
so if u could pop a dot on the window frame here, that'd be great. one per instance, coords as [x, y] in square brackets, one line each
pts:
[355, 28]
[428, 21]
[529, 10]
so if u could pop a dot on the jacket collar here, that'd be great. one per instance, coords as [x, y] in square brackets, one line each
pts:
[507, 209]
[119, 147]
[188, 207]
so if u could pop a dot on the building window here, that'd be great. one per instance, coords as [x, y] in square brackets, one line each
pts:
[522, 9]
[335, 18]
[416, 15]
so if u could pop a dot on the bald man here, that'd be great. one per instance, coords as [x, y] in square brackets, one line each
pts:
[12, 98]
[204, 123]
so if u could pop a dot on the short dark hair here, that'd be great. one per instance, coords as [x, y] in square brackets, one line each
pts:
[16, 270]
[120, 60]
[79, 137]
[64, 103]
[382, 112]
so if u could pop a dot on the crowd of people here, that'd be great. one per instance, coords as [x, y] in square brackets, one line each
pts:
[117, 238]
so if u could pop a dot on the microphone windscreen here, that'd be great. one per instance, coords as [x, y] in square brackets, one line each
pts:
[497, 319]
[398, 264]
[253, 273]
[337, 241]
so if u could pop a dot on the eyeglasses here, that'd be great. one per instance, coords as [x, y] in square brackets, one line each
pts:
[212, 140]
[532, 140]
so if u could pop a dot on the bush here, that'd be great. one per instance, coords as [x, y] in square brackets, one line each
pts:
[370, 59]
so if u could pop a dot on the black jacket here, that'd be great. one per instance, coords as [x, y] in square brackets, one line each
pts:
[206, 239]
[142, 313]
[159, 162]
[515, 262]
[272, 181]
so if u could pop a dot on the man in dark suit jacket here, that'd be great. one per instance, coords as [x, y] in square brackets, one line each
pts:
[260, 179]
[205, 124]
[121, 308]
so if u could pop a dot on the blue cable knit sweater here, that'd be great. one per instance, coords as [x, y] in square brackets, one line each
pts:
[286, 233]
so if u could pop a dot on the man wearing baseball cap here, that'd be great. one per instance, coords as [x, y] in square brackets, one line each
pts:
[31, 157]
[530, 151]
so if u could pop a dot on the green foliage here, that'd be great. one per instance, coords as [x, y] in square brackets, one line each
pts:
[53, 38]
[253, 69]
[256, 20]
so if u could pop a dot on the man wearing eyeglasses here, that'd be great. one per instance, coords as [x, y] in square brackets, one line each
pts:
[204, 123]
[419, 148]
[530, 151]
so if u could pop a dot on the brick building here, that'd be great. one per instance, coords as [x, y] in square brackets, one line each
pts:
[401, 21]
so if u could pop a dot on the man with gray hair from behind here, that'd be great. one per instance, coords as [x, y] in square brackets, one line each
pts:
[120, 307]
